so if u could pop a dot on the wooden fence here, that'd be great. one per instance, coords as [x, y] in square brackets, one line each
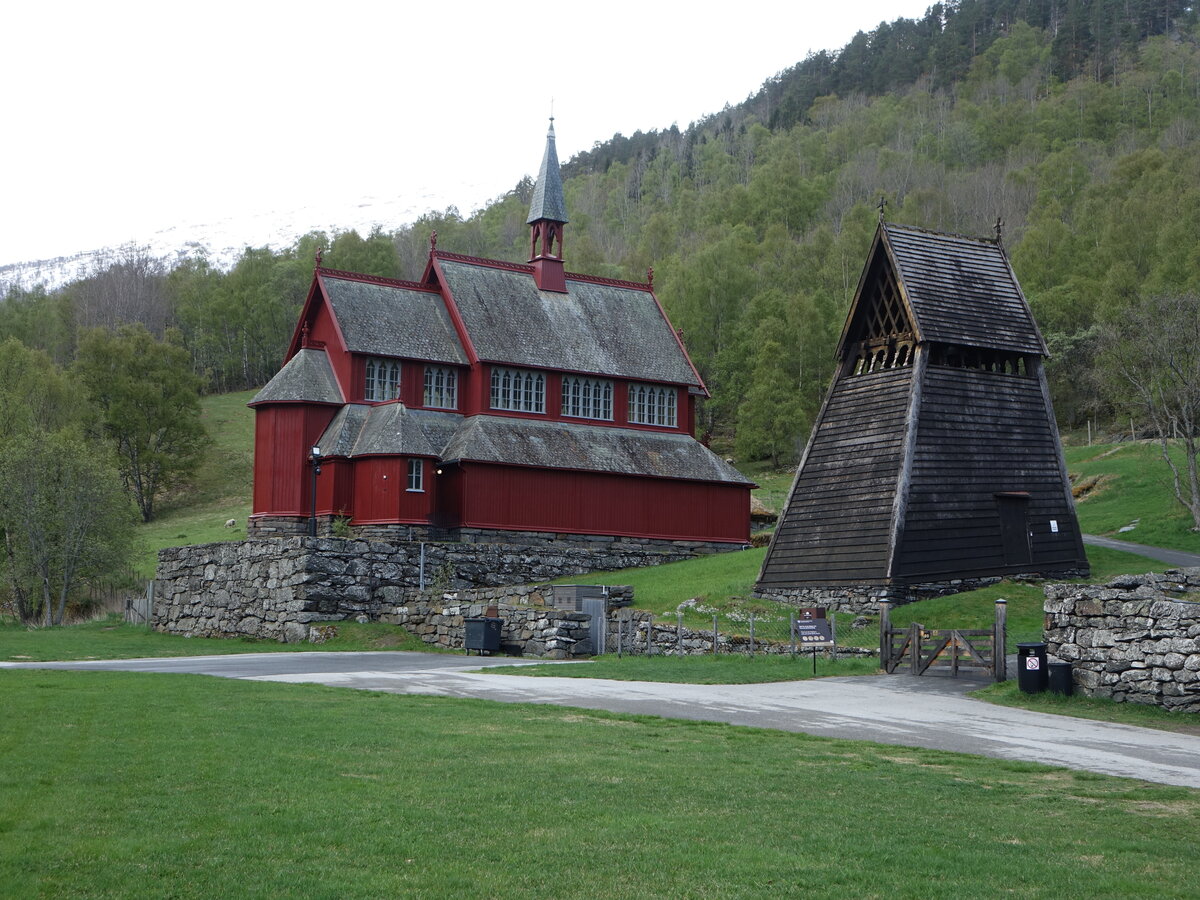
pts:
[916, 649]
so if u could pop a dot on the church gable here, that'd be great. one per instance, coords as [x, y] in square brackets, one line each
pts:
[597, 326]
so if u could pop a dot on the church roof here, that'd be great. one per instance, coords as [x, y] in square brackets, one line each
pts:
[306, 378]
[381, 317]
[558, 445]
[962, 290]
[598, 326]
[547, 201]
[392, 429]
[360, 429]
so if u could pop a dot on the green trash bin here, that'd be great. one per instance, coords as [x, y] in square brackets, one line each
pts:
[1059, 679]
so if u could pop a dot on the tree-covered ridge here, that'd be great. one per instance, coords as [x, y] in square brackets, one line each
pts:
[1078, 124]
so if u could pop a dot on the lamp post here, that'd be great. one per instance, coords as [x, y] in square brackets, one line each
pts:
[314, 460]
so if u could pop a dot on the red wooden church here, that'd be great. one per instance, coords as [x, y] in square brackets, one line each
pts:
[491, 398]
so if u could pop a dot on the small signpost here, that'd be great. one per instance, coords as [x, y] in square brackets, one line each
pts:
[812, 629]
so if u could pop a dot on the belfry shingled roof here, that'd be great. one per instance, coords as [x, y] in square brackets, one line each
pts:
[596, 327]
[962, 290]
[547, 201]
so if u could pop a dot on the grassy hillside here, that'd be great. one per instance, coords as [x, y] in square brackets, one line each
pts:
[221, 491]
[1122, 484]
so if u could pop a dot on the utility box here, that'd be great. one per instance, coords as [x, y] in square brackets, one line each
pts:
[482, 634]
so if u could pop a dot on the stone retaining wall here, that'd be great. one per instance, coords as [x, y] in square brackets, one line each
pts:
[1135, 639]
[278, 588]
[671, 640]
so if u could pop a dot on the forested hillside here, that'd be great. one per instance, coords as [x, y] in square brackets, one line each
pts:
[1076, 123]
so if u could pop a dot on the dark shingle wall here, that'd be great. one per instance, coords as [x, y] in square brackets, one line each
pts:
[838, 524]
[980, 434]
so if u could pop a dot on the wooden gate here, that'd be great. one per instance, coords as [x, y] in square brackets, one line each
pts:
[915, 649]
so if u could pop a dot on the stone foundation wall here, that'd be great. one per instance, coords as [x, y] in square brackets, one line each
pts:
[273, 526]
[859, 600]
[1135, 639]
[863, 600]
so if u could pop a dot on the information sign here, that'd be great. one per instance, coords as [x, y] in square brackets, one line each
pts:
[814, 632]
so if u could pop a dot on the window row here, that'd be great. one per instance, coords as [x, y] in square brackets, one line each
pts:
[524, 390]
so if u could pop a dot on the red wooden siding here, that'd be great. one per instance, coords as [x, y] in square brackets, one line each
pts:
[324, 330]
[381, 491]
[283, 437]
[526, 499]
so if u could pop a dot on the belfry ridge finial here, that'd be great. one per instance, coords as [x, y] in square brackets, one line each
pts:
[999, 229]
[320, 256]
[650, 276]
[881, 205]
[433, 241]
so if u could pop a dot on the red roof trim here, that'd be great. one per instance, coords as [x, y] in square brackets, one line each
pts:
[528, 270]
[375, 279]
[456, 319]
[480, 261]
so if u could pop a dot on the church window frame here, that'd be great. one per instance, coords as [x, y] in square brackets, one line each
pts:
[584, 397]
[518, 390]
[441, 387]
[653, 404]
[381, 379]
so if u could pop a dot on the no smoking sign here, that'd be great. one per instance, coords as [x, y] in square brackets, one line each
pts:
[1032, 663]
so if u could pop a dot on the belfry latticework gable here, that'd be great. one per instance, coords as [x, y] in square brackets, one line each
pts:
[882, 334]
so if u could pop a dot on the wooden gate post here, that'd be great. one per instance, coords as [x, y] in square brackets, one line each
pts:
[885, 633]
[1000, 641]
[915, 631]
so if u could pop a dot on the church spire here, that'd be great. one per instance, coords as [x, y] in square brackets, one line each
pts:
[547, 216]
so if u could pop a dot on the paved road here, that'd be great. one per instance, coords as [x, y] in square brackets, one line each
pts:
[928, 712]
[1170, 557]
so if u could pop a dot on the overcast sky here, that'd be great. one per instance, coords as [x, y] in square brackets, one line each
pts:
[126, 117]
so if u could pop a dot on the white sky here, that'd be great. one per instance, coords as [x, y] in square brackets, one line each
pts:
[126, 117]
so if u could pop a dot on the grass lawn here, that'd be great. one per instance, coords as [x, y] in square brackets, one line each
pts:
[1133, 483]
[121, 785]
[1007, 693]
[113, 639]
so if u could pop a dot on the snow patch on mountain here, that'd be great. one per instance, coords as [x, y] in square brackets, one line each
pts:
[223, 241]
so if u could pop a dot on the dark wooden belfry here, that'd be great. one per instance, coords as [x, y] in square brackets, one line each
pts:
[935, 457]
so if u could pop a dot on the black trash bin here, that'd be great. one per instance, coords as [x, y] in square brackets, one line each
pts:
[482, 633]
[1060, 680]
[1031, 667]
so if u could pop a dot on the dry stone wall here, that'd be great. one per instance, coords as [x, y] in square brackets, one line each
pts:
[1135, 639]
[281, 588]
